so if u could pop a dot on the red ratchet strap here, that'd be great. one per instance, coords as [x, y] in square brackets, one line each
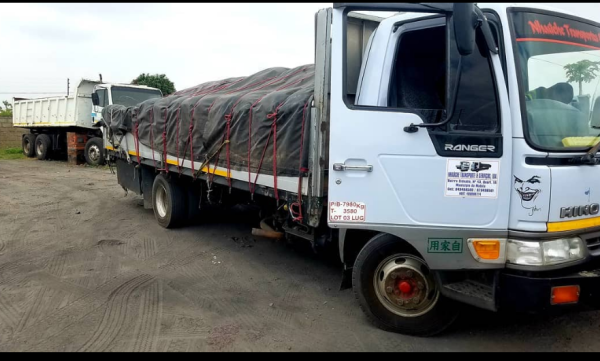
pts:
[227, 132]
[152, 136]
[192, 143]
[273, 132]
[262, 157]
[301, 170]
[252, 185]
[177, 137]
[190, 139]
[136, 135]
[274, 127]
[229, 116]
[164, 136]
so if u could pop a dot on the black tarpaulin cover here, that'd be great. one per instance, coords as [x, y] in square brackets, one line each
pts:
[243, 110]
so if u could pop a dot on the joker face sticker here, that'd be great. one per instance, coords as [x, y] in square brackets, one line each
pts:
[528, 191]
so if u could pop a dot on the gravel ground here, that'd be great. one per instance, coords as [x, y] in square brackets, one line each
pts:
[85, 268]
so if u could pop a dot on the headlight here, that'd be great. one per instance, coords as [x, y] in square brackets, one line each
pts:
[546, 253]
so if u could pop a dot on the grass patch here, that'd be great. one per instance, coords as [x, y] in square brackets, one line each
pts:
[11, 153]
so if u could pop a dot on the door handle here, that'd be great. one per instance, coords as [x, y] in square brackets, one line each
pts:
[343, 167]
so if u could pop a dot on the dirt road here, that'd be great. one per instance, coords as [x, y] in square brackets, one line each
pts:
[84, 268]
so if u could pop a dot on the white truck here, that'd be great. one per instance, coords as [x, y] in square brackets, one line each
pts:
[49, 119]
[449, 160]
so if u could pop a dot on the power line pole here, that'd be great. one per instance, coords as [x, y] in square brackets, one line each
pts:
[67, 86]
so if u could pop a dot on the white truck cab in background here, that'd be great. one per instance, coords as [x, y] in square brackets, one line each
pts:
[122, 94]
[49, 120]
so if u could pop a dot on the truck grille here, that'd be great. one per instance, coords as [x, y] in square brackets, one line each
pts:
[593, 245]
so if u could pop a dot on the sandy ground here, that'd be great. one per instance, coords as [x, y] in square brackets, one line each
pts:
[84, 268]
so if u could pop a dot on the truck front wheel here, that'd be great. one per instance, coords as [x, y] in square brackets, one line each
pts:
[42, 146]
[169, 202]
[29, 145]
[397, 291]
[94, 151]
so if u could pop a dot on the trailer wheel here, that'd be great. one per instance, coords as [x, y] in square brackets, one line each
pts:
[396, 290]
[94, 151]
[168, 202]
[29, 145]
[42, 146]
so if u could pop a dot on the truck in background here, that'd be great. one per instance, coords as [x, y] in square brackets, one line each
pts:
[50, 119]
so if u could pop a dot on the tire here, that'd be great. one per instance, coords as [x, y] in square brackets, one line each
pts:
[169, 202]
[28, 145]
[433, 313]
[43, 145]
[94, 151]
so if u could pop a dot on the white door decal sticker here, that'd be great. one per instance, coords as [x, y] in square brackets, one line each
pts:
[472, 178]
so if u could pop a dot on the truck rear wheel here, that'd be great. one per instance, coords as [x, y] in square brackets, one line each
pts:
[29, 145]
[397, 291]
[42, 146]
[94, 151]
[169, 202]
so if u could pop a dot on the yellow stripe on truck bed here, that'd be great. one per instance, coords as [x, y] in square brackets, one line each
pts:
[218, 172]
[130, 152]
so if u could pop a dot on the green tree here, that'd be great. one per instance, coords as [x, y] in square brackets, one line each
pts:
[159, 81]
[7, 111]
[581, 71]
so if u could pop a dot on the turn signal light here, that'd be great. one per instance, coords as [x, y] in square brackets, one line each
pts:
[564, 294]
[487, 249]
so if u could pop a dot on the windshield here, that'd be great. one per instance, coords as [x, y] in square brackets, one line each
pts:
[132, 96]
[559, 60]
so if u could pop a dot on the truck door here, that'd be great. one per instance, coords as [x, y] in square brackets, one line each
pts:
[102, 96]
[384, 173]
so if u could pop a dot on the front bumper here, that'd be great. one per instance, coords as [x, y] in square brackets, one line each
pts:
[532, 292]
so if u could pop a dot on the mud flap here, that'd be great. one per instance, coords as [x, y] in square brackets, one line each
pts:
[148, 175]
[346, 279]
[128, 176]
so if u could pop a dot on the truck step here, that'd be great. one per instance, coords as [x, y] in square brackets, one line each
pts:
[471, 292]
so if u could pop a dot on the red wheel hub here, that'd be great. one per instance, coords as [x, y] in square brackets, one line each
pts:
[404, 287]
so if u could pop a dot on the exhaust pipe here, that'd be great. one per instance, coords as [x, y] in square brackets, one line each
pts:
[266, 231]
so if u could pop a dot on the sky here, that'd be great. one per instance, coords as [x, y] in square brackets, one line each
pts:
[44, 44]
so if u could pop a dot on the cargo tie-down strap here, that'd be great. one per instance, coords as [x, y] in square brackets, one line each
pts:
[136, 137]
[273, 131]
[297, 215]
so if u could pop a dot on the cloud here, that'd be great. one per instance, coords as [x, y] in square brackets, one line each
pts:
[57, 33]
[190, 43]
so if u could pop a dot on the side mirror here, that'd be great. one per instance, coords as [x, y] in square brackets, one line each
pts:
[595, 119]
[95, 98]
[465, 22]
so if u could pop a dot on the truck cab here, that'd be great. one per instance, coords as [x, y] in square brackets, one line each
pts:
[470, 153]
[122, 94]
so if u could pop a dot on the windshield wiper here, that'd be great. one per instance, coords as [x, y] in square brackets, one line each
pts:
[588, 158]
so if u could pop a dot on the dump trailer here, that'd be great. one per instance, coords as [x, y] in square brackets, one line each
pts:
[441, 150]
[58, 124]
